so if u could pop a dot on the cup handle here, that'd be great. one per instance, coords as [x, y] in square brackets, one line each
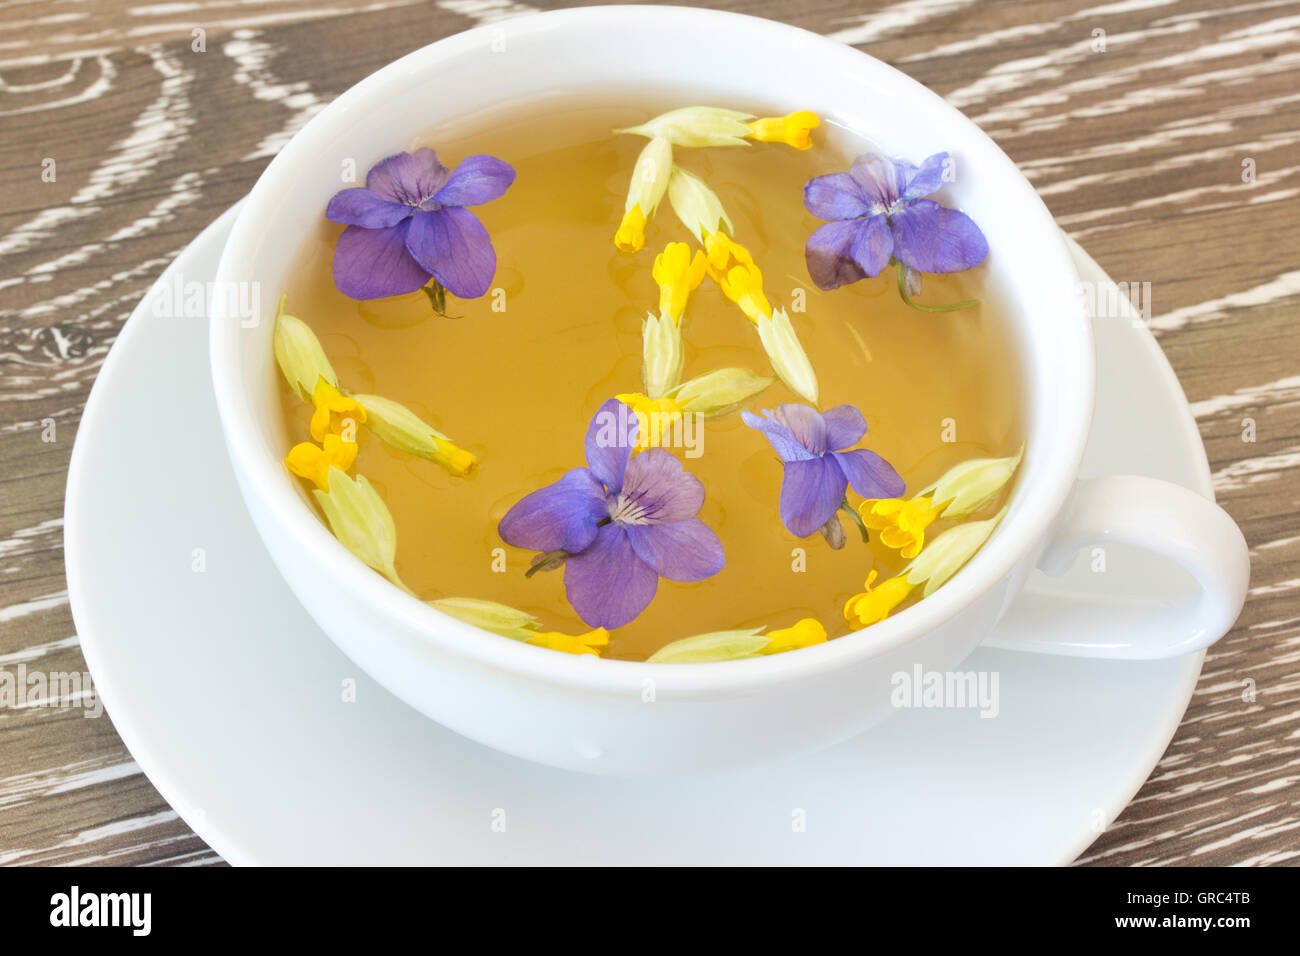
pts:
[1154, 515]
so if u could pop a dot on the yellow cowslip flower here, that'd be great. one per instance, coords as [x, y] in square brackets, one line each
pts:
[967, 487]
[794, 129]
[720, 391]
[489, 615]
[678, 274]
[299, 354]
[519, 625]
[876, 603]
[313, 462]
[663, 354]
[696, 205]
[901, 523]
[649, 183]
[804, 633]
[789, 360]
[714, 646]
[697, 126]
[403, 429]
[732, 267]
[333, 411]
[964, 489]
[660, 422]
[589, 643]
[938, 561]
[361, 522]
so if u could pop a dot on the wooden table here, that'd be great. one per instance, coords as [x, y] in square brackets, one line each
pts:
[1162, 133]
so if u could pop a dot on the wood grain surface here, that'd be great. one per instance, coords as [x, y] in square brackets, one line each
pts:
[1161, 133]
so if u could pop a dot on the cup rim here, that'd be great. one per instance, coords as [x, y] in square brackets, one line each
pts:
[1021, 529]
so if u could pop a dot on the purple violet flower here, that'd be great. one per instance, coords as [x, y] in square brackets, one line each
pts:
[619, 524]
[409, 223]
[816, 474]
[878, 212]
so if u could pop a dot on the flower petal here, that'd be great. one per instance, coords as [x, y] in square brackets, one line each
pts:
[783, 442]
[805, 423]
[408, 178]
[658, 487]
[611, 436]
[837, 196]
[881, 178]
[845, 426]
[869, 474]
[361, 207]
[607, 584]
[926, 180]
[478, 179]
[932, 238]
[562, 516]
[810, 492]
[453, 245]
[374, 263]
[843, 252]
[685, 550]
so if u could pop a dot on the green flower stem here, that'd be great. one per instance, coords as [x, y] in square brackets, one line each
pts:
[857, 519]
[438, 298]
[546, 562]
[902, 291]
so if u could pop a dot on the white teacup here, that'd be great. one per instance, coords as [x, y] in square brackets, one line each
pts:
[618, 717]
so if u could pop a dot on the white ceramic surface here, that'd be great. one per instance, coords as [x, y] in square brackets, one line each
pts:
[230, 697]
[592, 715]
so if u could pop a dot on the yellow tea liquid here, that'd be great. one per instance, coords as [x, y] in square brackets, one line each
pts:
[516, 376]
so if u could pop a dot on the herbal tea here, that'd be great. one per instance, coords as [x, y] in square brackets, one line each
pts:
[651, 383]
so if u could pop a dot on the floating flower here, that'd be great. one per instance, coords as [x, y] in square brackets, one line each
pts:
[697, 126]
[403, 429]
[740, 644]
[878, 214]
[875, 604]
[794, 129]
[333, 411]
[937, 562]
[964, 489]
[696, 205]
[489, 615]
[314, 462]
[678, 274]
[713, 126]
[649, 183]
[336, 413]
[816, 474]
[714, 646]
[720, 391]
[361, 521]
[410, 223]
[732, 267]
[520, 625]
[589, 643]
[901, 523]
[299, 354]
[618, 525]
[801, 634]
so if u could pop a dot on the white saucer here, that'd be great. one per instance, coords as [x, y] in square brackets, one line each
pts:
[230, 698]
